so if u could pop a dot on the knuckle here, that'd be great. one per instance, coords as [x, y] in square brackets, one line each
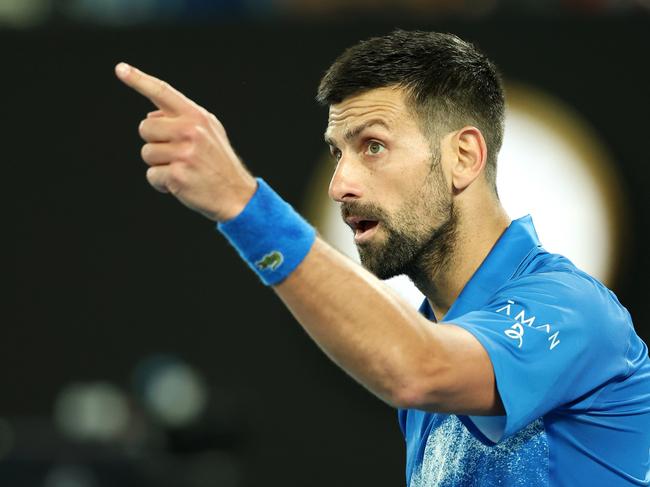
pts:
[190, 132]
[201, 131]
[193, 132]
[153, 178]
[202, 114]
[187, 151]
[145, 152]
[151, 175]
[163, 86]
[142, 129]
[176, 175]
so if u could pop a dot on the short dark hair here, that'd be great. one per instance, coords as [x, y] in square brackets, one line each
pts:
[449, 82]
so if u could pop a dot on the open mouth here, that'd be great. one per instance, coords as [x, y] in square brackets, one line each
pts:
[364, 226]
[363, 229]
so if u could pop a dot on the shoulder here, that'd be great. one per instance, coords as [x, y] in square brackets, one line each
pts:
[563, 282]
[555, 288]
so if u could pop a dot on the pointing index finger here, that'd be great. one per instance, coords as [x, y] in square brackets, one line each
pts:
[160, 93]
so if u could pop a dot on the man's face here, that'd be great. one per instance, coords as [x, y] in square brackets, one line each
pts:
[389, 182]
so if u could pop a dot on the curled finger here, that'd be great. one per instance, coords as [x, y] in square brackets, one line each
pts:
[163, 129]
[155, 154]
[156, 176]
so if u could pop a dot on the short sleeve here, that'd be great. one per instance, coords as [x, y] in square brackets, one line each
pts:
[553, 340]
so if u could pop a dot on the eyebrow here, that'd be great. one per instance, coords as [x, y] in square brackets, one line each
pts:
[354, 132]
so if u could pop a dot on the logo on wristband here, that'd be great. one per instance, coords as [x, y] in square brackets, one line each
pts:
[271, 261]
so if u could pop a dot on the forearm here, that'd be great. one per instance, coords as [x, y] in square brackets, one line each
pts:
[361, 324]
[356, 319]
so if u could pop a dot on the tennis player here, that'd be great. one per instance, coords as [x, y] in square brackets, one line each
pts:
[519, 369]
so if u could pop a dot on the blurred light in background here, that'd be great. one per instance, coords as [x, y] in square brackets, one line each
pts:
[121, 12]
[6, 438]
[437, 8]
[96, 411]
[24, 13]
[70, 476]
[172, 391]
[30, 13]
[551, 166]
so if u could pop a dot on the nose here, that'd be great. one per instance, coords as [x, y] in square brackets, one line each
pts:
[346, 182]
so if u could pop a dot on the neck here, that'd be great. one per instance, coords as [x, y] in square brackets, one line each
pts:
[443, 273]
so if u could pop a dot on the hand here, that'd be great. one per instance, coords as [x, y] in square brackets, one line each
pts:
[188, 151]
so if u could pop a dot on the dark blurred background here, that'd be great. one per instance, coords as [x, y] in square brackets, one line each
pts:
[139, 350]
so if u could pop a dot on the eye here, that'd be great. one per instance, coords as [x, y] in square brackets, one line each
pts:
[336, 154]
[375, 148]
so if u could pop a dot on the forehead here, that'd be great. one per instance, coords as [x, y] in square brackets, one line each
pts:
[387, 104]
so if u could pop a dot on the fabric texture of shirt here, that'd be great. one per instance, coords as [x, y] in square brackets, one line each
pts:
[573, 376]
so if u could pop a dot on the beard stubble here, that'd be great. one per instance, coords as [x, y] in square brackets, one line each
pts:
[414, 244]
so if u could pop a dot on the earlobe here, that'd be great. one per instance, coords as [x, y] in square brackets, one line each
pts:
[471, 153]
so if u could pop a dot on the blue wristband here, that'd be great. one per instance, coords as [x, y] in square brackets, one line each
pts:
[269, 235]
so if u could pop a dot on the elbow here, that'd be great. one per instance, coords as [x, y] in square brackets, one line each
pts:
[405, 397]
[422, 381]
[413, 396]
[422, 391]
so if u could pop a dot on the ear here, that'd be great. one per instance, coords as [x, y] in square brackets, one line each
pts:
[471, 157]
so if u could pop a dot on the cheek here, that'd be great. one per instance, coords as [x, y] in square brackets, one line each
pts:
[423, 209]
[410, 214]
[402, 183]
[407, 190]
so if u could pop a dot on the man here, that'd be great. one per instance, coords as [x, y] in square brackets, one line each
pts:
[533, 375]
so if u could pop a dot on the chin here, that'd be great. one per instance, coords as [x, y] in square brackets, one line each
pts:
[379, 269]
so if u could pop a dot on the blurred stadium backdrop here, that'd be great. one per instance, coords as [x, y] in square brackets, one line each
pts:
[138, 349]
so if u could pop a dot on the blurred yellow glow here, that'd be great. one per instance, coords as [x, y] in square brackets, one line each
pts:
[555, 167]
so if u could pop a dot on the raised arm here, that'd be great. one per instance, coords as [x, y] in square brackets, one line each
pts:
[354, 317]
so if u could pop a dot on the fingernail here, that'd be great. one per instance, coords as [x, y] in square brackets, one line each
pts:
[123, 69]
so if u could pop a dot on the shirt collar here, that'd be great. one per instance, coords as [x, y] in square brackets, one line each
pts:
[518, 240]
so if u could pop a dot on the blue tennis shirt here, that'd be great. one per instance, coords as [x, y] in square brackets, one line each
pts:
[573, 376]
